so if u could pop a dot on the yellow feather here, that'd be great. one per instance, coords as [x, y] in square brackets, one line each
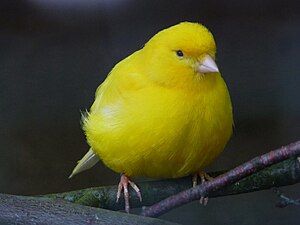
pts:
[156, 115]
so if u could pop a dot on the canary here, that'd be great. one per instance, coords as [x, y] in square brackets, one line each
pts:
[162, 112]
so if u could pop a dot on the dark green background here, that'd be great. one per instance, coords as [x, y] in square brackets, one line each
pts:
[54, 55]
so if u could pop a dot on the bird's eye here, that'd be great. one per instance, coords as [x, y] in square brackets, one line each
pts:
[179, 53]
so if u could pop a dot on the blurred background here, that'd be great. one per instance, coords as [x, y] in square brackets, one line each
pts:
[54, 54]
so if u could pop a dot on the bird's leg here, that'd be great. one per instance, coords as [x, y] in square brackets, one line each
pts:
[123, 184]
[203, 177]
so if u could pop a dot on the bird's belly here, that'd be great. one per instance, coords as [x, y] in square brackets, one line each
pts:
[158, 139]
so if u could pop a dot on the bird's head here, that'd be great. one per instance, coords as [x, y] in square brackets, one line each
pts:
[181, 53]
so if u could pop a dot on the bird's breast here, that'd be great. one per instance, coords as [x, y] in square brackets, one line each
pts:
[158, 132]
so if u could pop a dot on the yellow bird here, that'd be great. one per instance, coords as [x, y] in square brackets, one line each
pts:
[162, 112]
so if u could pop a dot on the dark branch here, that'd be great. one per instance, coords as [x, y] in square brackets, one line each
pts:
[54, 208]
[281, 174]
[37, 210]
[234, 175]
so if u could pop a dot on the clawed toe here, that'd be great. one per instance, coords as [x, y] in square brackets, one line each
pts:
[203, 177]
[123, 185]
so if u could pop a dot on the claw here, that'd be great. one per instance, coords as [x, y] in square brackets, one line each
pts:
[203, 177]
[203, 200]
[195, 179]
[123, 185]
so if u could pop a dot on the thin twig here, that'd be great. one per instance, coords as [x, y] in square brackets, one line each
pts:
[285, 201]
[229, 177]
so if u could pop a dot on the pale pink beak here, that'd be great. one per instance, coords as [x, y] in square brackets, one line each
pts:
[208, 65]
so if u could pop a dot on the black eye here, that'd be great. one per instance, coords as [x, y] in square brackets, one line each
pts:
[179, 53]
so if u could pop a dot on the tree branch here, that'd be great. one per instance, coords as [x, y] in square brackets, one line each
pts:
[37, 210]
[54, 208]
[234, 175]
[281, 174]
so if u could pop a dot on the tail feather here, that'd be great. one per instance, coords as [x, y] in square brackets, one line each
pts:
[87, 162]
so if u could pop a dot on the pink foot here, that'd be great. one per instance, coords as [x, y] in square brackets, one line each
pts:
[123, 184]
[203, 177]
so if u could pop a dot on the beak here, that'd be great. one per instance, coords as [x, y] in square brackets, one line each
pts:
[208, 65]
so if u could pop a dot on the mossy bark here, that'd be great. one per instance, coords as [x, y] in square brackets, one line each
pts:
[280, 174]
